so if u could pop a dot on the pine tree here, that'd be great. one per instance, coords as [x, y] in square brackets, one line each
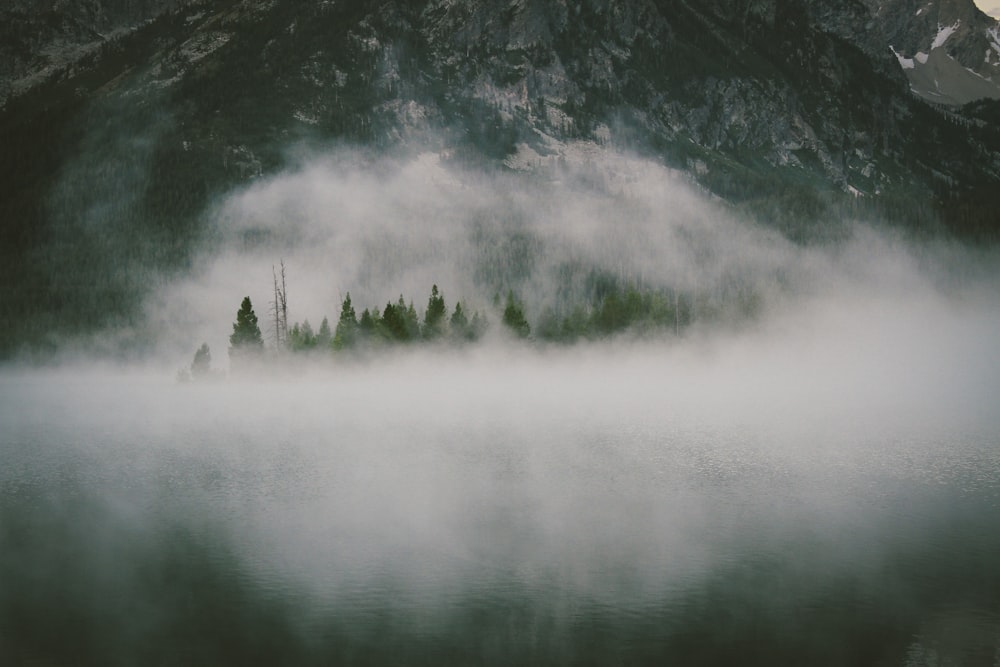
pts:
[324, 335]
[460, 324]
[513, 317]
[202, 364]
[434, 317]
[246, 339]
[368, 324]
[411, 319]
[302, 338]
[346, 333]
[394, 322]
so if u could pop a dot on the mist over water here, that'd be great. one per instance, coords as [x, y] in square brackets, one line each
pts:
[816, 484]
[381, 228]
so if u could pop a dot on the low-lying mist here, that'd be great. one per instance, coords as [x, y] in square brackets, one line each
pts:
[557, 239]
[501, 503]
[758, 486]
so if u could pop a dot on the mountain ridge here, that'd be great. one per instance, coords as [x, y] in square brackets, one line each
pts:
[788, 111]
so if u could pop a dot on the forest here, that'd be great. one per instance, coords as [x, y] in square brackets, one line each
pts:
[614, 310]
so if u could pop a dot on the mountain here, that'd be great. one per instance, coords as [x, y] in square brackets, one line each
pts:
[123, 121]
[950, 50]
[38, 38]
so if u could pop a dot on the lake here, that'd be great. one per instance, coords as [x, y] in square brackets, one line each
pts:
[742, 503]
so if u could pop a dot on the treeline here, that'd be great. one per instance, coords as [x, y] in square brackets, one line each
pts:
[615, 311]
[618, 310]
[396, 323]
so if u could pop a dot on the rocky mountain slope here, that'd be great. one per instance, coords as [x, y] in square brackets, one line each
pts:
[949, 49]
[39, 38]
[795, 112]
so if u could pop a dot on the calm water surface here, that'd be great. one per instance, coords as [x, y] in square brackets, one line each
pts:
[420, 514]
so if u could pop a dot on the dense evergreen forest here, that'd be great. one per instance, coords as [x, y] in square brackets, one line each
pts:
[614, 310]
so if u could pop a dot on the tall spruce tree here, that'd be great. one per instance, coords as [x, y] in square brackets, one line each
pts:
[246, 338]
[368, 325]
[324, 336]
[434, 317]
[513, 317]
[394, 322]
[347, 326]
[410, 318]
[460, 324]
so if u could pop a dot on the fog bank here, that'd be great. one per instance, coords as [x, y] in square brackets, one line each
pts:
[379, 228]
[825, 465]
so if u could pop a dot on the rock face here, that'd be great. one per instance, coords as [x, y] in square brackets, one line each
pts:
[949, 49]
[745, 88]
[39, 37]
[144, 112]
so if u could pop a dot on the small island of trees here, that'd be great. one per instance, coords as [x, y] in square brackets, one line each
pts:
[612, 310]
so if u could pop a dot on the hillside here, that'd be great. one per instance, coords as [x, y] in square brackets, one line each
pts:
[123, 122]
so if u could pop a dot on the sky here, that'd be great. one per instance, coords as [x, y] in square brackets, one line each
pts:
[991, 7]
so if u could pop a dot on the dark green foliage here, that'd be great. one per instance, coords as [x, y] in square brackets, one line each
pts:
[399, 322]
[613, 310]
[611, 316]
[246, 338]
[458, 319]
[394, 322]
[459, 324]
[202, 364]
[367, 324]
[574, 325]
[513, 317]
[410, 319]
[434, 317]
[324, 336]
[347, 326]
[302, 338]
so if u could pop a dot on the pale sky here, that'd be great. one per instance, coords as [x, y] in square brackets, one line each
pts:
[991, 7]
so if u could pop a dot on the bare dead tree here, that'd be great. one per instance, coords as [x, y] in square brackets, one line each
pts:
[275, 310]
[284, 304]
[279, 307]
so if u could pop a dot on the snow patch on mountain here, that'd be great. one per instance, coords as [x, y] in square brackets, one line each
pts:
[944, 34]
[994, 37]
[904, 62]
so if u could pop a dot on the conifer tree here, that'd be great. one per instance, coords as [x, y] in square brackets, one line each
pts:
[434, 317]
[202, 364]
[367, 324]
[513, 317]
[246, 338]
[459, 323]
[411, 319]
[346, 333]
[324, 335]
[394, 321]
[302, 337]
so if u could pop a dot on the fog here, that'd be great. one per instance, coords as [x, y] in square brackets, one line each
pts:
[378, 228]
[758, 487]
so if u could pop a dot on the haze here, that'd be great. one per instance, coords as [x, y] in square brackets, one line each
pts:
[764, 480]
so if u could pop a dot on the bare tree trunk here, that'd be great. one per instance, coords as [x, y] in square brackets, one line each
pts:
[279, 308]
[284, 305]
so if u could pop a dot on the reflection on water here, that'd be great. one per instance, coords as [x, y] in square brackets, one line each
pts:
[380, 518]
